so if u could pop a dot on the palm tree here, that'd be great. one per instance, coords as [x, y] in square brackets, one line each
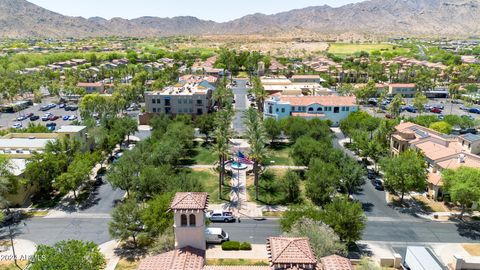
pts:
[222, 95]
[259, 91]
[222, 133]
[257, 138]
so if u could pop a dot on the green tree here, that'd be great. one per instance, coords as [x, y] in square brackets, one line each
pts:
[126, 221]
[223, 134]
[352, 175]
[322, 181]
[68, 255]
[259, 92]
[323, 240]
[296, 212]
[442, 127]
[156, 216]
[290, 187]
[420, 101]
[272, 127]
[306, 149]
[125, 173]
[405, 172]
[256, 136]
[395, 106]
[6, 179]
[346, 218]
[368, 264]
[463, 185]
[222, 96]
[206, 125]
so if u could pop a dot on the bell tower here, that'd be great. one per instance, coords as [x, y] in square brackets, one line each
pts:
[189, 219]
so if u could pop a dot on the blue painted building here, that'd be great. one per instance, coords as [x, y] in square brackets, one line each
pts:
[333, 108]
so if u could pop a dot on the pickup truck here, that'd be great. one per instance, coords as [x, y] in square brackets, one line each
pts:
[220, 216]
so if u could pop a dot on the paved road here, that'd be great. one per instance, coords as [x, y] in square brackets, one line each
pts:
[386, 224]
[240, 95]
[89, 223]
[253, 231]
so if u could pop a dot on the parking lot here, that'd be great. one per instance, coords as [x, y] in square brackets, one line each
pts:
[448, 108]
[8, 120]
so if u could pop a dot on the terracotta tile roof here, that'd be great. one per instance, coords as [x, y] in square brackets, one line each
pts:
[87, 84]
[335, 262]
[290, 252]
[322, 100]
[190, 201]
[187, 258]
[403, 85]
[471, 161]
[435, 179]
[222, 267]
[434, 150]
[306, 77]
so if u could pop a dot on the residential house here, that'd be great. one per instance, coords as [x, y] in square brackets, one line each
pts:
[190, 244]
[333, 108]
[406, 90]
[303, 85]
[441, 151]
[306, 79]
[92, 87]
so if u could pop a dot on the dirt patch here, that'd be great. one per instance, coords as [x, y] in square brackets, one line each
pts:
[430, 205]
[472, 249]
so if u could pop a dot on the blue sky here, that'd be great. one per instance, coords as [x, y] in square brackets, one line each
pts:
[217, 10]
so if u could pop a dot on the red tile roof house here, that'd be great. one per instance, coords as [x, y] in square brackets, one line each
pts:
[285, 253]
[96, 87]
[441, 151]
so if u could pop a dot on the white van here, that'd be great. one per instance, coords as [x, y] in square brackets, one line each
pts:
[216, 235]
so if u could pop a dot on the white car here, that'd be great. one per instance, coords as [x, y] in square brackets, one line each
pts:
[17, 125]
[72, 118]
[216, 235]
[220, 216]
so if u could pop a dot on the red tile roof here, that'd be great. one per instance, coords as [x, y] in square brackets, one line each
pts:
[245, 267]
[190, 201]
[335, 262]
[403, 85]
[289, 252]
[86, 84]
[322, 100]
[179, 259]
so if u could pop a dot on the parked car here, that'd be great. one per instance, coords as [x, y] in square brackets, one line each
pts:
[216, 236]
[389, 116]
[17, 125]
[436, 110]
[72, 118]
[371, 174]
[44, 108]
[65, 117]
[61, 105]
[34, 118]
[98, 181]
[51, 128]
[21, 118]
[51, 124]
[53, 117]
[474, 110]
[440, 117]
[378, 184]
[220, 216]
[46, 116]
[439, 106]
[411, 109]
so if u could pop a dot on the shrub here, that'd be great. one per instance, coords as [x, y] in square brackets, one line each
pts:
[245, 246]
[231, 245]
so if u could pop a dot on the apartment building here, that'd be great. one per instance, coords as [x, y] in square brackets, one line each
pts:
[406, 90]
[331, 107]
[194, 98]
[441, 151]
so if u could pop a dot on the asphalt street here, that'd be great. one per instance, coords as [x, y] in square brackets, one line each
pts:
[253, 231]
[240, 95]
[89, 222]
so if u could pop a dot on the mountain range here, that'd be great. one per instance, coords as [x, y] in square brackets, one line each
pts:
[421, 18]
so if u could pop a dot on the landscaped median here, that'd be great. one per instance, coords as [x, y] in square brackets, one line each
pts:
[215, 252]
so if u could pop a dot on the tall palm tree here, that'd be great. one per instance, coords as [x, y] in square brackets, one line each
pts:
[222, 95]
[257, 138]
[222, 133]
[259, 91]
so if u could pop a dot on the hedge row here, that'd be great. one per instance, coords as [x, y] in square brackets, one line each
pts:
[234, 245]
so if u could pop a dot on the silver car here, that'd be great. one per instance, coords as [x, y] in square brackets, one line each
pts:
[220, 216]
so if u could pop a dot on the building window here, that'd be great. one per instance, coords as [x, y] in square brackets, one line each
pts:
[270, 109]
[283, 110]
[183, 220]
[347, 109]
[276, 109]
[336, 109]
[167, 101]
[199, 102]
[319, 109]
[199, 111]
[179, 101]
[154, 109]
[293, 108]
[158, 100]
[153, 101]
[310, 109]
[192, 220]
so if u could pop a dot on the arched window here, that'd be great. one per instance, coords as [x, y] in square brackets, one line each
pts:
[319, 109]
[183, 220]
[192, 220]
[310, 109]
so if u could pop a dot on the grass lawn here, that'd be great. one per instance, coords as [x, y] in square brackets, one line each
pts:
[343, 49]
[202, 154]
[209, 180]
[237, 262]
[124, 264]
[10, 265]
[279, 155]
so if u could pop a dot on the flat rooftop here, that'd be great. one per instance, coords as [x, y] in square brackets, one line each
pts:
[71, 129]
[24, 143]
